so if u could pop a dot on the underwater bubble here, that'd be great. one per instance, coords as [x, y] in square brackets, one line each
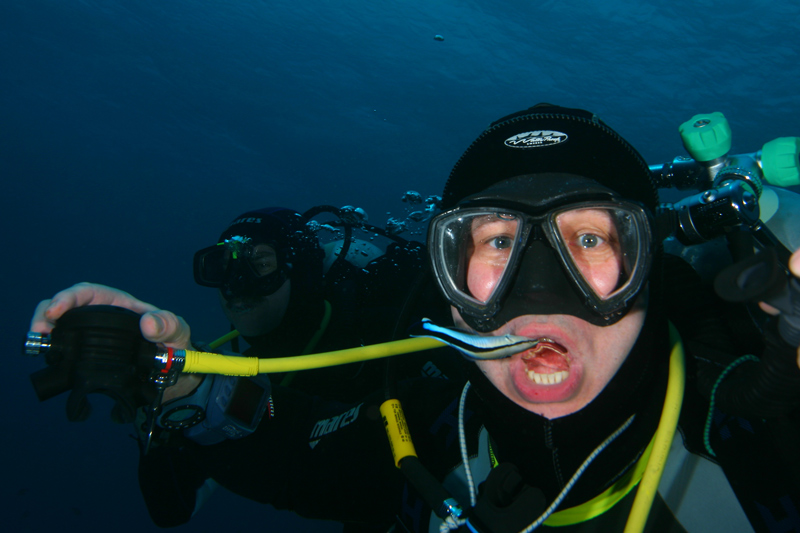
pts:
[438, 37]
[412, 197]
[353, 215]
[395, 227]
[434, 201]
[418, 216]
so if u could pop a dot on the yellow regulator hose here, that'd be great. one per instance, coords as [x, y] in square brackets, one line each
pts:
[234, 365]
[663, 439]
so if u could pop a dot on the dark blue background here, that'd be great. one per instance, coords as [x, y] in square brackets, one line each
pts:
[132, 132]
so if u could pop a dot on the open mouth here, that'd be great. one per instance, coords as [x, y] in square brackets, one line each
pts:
[547, 363]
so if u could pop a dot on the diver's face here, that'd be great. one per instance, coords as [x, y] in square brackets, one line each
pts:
[574, 360]
[254, 316]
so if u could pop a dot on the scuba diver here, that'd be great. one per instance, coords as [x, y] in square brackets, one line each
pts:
[268, 269]
[283, 300]
[273, 288]
[548, 254]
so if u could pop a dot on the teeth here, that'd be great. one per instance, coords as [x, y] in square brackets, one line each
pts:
[548, 379]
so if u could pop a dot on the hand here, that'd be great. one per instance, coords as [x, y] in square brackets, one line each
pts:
[156, 324]
[794, 263]
[794, 267]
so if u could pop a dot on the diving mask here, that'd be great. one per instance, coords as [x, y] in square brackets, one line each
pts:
[504, 259]
[241, 267]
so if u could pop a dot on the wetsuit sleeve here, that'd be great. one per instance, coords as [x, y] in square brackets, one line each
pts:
[324, 460]
[169, 484]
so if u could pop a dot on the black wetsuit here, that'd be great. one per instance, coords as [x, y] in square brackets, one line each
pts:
[332, 461]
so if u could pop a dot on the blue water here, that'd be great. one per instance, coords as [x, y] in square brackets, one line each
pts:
[132, 132]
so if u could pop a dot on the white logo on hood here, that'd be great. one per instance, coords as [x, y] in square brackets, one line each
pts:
[536, 139]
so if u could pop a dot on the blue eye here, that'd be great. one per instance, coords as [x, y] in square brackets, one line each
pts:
[501, 243]
[588, 240]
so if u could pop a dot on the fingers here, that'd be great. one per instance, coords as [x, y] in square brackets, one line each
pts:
[166, 328]
[794, 266]
[39, 322]
[80, 294]
[186, 384]
[768, 309]
[794, 263]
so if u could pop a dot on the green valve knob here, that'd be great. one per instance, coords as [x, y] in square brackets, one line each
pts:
[780, 161]
[706, 137]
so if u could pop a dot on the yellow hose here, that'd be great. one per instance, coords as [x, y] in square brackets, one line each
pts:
[663, 439]
[232, 365]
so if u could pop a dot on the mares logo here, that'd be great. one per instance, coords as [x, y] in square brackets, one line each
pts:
[329, 425]
[536, 139]
[247, 220]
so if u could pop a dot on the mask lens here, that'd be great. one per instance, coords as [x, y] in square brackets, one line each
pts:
[490, 245]
[234, 260]
[601, 246]
[209, 266]
[474, 250]
[263, 260]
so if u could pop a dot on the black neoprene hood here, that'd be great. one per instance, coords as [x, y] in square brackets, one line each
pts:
[551, 139]
[541, 158]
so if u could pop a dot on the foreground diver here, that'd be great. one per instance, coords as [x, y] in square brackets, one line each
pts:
[548, 234]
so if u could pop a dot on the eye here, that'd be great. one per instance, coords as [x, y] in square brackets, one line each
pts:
[589, 240]
[501, 243]
[264, 263]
